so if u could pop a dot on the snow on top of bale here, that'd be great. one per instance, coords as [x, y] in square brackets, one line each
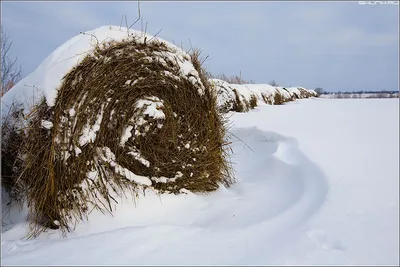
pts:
[225, 94]
[261, 89]
[285, 93]
[294, 91]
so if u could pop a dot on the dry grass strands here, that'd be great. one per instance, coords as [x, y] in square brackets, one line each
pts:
[239, 105]
[304, 93]
[129, 116]
[278, 99]
[253, 101]
[11, 157]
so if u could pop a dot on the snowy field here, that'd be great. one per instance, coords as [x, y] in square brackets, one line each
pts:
[318, 183]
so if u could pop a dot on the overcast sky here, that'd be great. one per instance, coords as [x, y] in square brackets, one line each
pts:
[335, 45]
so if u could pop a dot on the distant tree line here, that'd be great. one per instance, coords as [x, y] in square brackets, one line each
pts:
[363, 92]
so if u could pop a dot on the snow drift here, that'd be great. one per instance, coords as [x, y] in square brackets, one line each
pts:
[113, 110]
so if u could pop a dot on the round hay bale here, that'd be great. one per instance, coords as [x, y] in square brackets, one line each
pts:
[305, 93]
[226, 98]
[132, 114]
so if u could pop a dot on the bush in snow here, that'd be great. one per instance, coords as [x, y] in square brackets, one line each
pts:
[134, 113]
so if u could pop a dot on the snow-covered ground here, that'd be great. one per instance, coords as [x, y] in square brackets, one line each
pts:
[318, 183]
[363, 95]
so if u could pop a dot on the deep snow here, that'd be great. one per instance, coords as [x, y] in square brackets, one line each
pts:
[318, 183]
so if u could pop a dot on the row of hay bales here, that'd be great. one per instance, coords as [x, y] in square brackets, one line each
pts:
[130, 113]
[243, 97]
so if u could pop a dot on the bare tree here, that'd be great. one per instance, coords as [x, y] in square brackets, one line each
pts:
[10, 72]
[319, 91]
[273, 83]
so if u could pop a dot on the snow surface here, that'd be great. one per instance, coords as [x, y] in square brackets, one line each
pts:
[361, 95]
[318, 184]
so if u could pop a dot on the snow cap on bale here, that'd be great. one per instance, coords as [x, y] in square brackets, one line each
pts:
[225, 95]
[120, 112]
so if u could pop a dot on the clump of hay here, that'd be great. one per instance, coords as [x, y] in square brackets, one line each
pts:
[226, 97]
[11, 158]
[253, 101]
[294, 93]
[291, 97]
[267, 99]
[131, 115]
[305, 93]
[278, 99]
[229, 97]
[239, 104]
[285, 95]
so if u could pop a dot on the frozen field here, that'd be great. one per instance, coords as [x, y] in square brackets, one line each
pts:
[318, 183]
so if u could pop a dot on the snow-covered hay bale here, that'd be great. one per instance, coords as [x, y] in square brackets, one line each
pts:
[133, 113]
[294, 92]
[306, 93]
[233, 97]
[242, 97]
[281, 96]
[226, 97]
[311, 93]
[263, 92]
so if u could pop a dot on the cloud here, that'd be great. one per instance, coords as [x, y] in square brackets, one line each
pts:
[63, 15]
[304, 43]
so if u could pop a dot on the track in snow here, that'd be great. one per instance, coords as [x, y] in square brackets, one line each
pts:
[278, 188]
